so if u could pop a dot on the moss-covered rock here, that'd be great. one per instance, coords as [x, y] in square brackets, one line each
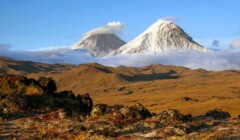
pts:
[170, 117]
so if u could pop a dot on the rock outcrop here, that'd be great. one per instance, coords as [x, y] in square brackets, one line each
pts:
[218, 114]
[48, 84]
[171, 116]
[20, 94]
[13, 103]
[136, 111]
[18, 84]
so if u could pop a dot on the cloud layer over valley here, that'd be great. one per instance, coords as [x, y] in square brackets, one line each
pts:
[211, 60]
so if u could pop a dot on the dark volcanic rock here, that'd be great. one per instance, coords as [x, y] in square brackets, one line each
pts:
[18, 93]
[86, 103]
[11, 84]
[137, 111]
[103, 109]
[100, 110]
[188, 99]
[217, 114]
[188, 117]
[17, 84]
[47, 84]
[80, 104]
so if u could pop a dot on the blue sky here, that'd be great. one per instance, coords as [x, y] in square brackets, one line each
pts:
[34, 24]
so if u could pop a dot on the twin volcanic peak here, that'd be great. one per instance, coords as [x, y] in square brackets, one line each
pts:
[160, 37]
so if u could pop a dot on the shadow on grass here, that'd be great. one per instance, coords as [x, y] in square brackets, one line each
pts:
[149, 77]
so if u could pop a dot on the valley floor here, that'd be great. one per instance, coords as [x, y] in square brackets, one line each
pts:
[190, 96]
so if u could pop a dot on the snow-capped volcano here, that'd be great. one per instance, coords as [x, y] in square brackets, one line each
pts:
[159, 37]
[99, 43]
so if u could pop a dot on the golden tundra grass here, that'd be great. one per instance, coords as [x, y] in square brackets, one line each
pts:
[211, 89]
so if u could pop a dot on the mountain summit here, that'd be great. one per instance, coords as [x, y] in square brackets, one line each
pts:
[99, 43]
[159, 37]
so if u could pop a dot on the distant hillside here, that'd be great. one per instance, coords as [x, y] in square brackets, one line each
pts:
[156, 86]
[29, 68]
[94, 76]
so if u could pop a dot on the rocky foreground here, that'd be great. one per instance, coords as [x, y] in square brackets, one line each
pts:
[118, 122]
[32, 109]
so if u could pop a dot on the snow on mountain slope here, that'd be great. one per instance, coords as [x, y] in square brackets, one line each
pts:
[99, 44]
[159, 37]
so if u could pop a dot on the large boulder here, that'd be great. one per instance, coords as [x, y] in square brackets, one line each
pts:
[218, 114]
[170, 117]
[81, 104]
[103, 109]
[136, 111]
[86, 103]
[17, 84]
[48, 84]
[100, 110]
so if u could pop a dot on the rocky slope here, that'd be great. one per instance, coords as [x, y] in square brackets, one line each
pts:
[20, 95]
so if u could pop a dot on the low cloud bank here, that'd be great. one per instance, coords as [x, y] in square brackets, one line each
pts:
[58, 55]
[211, 60]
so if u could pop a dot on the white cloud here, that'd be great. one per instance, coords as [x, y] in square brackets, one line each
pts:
[56, 55]
[211, 60]
[115, 26]
[236, 43]
[111, 27]
[51, 48]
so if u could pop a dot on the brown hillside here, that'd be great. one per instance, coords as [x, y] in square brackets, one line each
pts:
[29, 68]
[155, 86]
